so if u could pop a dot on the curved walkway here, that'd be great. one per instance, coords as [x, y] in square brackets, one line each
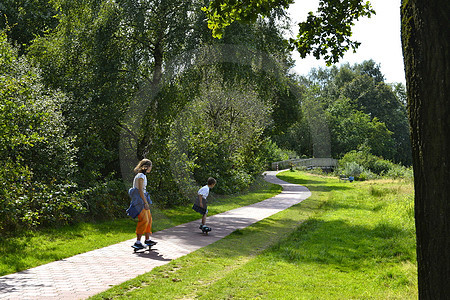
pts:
[90, 273]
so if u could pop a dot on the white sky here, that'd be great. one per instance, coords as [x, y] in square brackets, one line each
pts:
[379, 37]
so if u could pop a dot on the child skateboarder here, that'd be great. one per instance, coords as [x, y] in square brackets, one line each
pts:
[201, 205]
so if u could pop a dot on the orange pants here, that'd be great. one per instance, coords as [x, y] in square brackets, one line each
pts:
[144, 224]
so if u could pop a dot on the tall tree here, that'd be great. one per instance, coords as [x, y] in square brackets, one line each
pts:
[425, 44]
[101, 53]
[363, 84]
[425, 40]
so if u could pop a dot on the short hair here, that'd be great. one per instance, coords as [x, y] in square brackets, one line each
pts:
[144, 163]
[211, 181]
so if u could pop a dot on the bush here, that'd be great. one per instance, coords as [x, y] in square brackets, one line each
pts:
[31, 122]
[399, 172]
[36, 155]
[367, 175]
[272, 152]
[220, 134]
[27, 203]
[380, 166]
[352, 169]
[106, 200]
[370, 166]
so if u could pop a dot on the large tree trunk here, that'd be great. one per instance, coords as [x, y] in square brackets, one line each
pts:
[425, 39]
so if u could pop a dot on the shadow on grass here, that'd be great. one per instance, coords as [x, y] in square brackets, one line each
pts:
[336, 244]
[352, 206]
[317, 185]
[265, 233]
[342, 245]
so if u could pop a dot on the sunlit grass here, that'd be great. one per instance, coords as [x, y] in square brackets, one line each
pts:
[347, 241]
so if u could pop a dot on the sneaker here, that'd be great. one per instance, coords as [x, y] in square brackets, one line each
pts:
[150, 243]
[138, 245]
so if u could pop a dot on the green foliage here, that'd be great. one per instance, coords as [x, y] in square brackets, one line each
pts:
[351, 128]
[223, 13]
[31, 123]
[352, 169]
[297, 137]
[109, 55]
[105, 200]
[364, 165]
[343, 109]
[25, 20]
[27, 203]
[400, 172]
[326, 34]
[86, 57]
[352, 107]
[36, 155]
[272, 152]
[220, 134]
[367, 160]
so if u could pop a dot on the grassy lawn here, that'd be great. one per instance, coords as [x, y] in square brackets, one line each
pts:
[33, 248]
[347, 241]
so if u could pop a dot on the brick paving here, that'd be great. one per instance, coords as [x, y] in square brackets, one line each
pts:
[87, 274]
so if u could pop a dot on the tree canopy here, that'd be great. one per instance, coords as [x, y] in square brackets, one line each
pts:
[326, 34]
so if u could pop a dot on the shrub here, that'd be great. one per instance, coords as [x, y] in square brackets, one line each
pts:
[353, 169]
[272, 152]
[372, 166]
[27, 203]
[31, 122]
[399, 172]
[106, 200]
[380, 166]
[36, 154]
[367, 175]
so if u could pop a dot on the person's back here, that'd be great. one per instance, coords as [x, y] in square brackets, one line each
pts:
[201, 204]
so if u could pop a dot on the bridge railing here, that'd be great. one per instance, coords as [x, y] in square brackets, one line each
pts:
[309, 163]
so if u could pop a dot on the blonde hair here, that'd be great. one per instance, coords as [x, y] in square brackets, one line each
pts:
[143, 164]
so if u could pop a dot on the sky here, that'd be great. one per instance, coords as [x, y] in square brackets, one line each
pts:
[379, 37]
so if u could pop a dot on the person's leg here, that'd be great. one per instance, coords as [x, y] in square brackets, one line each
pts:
[148, 229]
[204, 220]
[142, 224]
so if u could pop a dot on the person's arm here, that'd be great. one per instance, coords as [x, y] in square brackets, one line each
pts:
[200, 199]
[141, 192]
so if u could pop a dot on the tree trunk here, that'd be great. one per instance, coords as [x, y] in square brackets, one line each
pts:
[425, 39]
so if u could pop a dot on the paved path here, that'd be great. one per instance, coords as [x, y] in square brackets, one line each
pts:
[90, 273]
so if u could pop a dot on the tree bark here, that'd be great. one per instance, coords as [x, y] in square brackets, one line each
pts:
[425, 41]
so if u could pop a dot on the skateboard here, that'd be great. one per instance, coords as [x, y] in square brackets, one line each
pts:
[205, 229]
[142, 250]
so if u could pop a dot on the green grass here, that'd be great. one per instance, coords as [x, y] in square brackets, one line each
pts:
[33, 248]
[347, 241]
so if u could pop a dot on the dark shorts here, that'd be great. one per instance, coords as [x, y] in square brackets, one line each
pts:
[203, 211]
